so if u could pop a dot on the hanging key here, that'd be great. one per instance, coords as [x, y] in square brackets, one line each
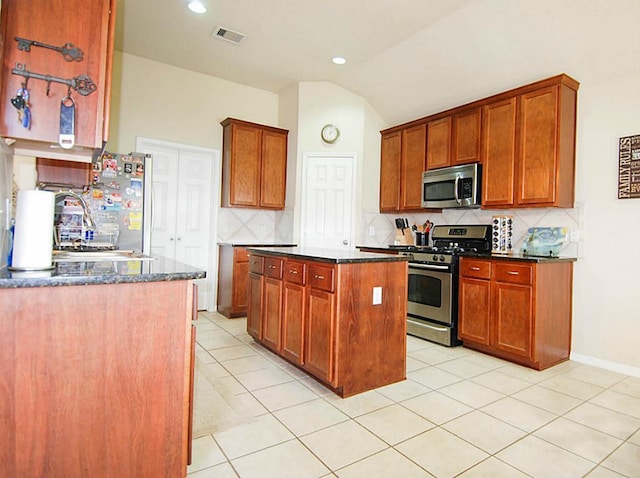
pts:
[69, 51]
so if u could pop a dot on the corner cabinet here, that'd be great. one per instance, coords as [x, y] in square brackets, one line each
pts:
[319, 316]
[516, 310]
[254, 165]
[72, 24]
[402, 162]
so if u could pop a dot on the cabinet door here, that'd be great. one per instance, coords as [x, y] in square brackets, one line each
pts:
[271, 310]
[274, 169]
[439, 143]
[319, 349]
[293, 319]
[538, 148]
[512, 312]
[499, 153]
[89, 27]
[466, 137]
[390, 161]
[473, 310]
[244, 166]
[240, 280]
[255, 306]
[414, 144]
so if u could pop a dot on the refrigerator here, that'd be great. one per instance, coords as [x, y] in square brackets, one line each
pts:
[118, 201]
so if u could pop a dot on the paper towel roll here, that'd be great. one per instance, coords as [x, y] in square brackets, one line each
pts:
[33, 236]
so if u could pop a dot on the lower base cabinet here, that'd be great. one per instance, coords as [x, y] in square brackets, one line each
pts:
[516, 310]
[326, 323]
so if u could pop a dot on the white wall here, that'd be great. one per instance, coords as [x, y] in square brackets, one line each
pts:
[159, 101]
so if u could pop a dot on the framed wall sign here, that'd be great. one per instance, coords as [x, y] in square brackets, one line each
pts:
[629, 167]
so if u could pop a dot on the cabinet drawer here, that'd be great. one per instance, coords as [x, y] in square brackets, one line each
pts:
[320, 277]
[513, 273]
[241, 254]
[294, 272]
[256, 264]
[273, 267]
[475, 268]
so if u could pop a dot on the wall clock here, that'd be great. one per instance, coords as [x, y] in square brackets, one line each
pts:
[330, 133]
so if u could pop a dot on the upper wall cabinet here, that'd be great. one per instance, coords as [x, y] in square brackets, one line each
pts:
[528, 150]
[524, 138]
[254, 166]
[454, 139]
[402, 162]
[56, 72]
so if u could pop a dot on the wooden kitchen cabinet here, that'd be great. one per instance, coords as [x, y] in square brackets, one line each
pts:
[499, 153]
[88, 26]
[402, 162]
[454, 139]
[343, 340]
[233, 270]
[254, 165]
[254, 293]
[529, 148]
[524, 138]
[272, 303]
[293, 311]
[517, 310]
[439, 143]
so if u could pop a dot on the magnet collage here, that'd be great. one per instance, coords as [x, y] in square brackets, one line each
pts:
[118, 181]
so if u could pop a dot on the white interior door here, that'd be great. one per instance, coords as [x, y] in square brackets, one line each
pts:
[327, 200]
[182, 220]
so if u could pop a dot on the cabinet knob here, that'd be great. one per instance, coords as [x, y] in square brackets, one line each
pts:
[293, 271]
[318, 277]
[271, 266]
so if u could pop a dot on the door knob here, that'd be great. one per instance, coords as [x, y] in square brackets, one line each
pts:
[345, 242]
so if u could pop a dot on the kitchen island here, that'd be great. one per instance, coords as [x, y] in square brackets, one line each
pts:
[338, 315]
[96, 369]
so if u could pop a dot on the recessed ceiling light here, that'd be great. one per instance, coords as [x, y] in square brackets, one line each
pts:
[338, 60]
[197, 6]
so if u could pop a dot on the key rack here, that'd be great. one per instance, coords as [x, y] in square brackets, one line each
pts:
[82, 83]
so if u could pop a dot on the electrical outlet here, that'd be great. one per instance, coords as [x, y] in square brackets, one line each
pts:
[372, 231]
[574, 235]
[377, 295]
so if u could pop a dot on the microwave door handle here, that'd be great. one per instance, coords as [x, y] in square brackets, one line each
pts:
[456, 185]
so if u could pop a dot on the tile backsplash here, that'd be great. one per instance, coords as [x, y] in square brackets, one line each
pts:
[384, 230]
[259, 225]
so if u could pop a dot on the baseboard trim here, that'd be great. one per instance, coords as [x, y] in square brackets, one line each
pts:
[606, 364]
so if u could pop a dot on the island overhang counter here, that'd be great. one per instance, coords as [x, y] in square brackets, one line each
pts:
[338, 315]
[96, 369]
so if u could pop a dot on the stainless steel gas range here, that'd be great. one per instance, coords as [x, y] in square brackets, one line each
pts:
[432, 310]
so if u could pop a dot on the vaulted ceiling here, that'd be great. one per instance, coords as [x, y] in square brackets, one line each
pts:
[407, 58]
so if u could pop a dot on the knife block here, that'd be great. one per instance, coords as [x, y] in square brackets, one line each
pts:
[405, 239]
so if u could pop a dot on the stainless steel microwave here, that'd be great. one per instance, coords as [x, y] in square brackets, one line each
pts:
[455, 186]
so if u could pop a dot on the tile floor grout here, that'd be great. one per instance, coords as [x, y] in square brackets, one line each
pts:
[218, 456]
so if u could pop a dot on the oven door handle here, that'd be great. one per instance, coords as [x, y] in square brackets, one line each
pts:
[433, 267]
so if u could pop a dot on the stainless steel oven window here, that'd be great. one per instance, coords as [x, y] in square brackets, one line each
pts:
[430, 294]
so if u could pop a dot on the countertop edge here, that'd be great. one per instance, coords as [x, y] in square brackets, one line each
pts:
[328, 255]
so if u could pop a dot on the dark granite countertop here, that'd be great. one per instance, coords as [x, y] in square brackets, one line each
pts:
[519, 257]
[327, 255]
[255, 244]
[101, 272]
[505, 257]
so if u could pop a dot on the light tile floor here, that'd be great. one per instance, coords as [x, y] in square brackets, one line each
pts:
[459, 414]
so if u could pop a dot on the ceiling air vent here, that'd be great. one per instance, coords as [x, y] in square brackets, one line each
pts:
[228, 35]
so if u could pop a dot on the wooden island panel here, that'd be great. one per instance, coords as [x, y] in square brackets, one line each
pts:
[96, 380]
[329, 325]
